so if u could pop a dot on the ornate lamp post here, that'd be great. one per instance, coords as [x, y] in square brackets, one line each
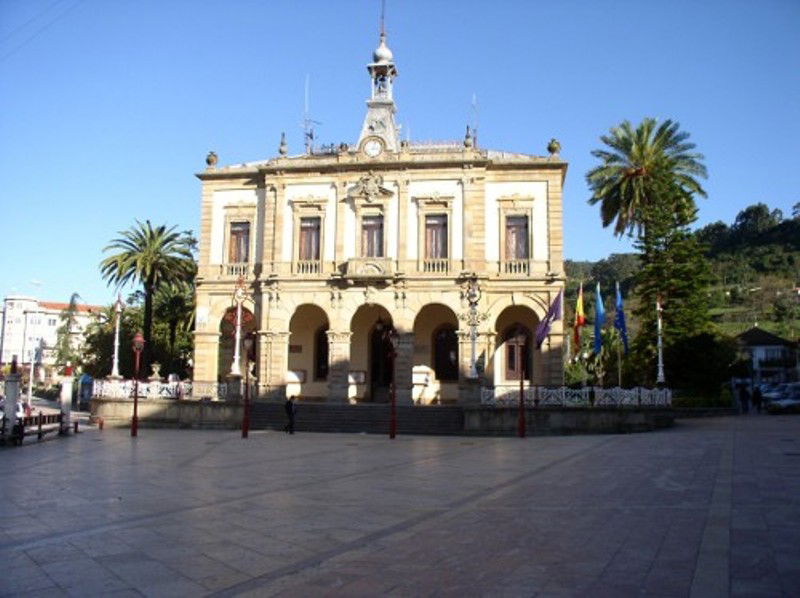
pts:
[473, 319]
[138, 345]
[239, 297]
[118, 311]
[249, 354]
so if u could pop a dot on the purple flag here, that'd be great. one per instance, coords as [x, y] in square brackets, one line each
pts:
[553, 314]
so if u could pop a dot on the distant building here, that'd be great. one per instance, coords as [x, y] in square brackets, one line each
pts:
[30, 330]
[771, 358]
[347, 248]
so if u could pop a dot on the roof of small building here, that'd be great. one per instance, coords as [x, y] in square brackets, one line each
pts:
[758, 337]
[81, 307]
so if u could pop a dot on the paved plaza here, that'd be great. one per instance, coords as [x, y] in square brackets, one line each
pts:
[708, 508]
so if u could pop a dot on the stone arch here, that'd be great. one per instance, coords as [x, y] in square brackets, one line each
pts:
[227, 339]
[303, 376]
[435, 327]
[513, 322]
[368, 354]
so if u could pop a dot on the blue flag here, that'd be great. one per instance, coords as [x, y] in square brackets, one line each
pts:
[619, 320]
[599, 318]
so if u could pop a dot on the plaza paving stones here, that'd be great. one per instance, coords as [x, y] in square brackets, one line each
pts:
[708, 508]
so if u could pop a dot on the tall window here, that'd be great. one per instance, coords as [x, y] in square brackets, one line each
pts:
[517, 238]
[239, 248]
[309, 239]
[445, 354]
[321, 353]
[372, 236]
[436, 236]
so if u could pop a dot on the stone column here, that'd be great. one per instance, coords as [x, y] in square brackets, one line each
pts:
[402, 224]
[468, 388]
[341, 214]
[474, 222]
[403, 364]
[273, 361]
[206, 357]
[65, 400]
[338, 365]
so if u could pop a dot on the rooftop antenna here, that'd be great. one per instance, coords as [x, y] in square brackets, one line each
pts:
[475, 118]
[308, 123]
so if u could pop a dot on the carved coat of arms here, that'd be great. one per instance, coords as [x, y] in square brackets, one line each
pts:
[370, 187]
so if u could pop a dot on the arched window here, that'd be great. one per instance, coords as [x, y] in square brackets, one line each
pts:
[445, 354]
[518, 353]
[321, 353]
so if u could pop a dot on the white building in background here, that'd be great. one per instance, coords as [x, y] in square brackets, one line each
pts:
[30, 330]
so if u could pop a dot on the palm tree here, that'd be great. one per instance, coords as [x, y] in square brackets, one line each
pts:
[651, 164]
[152, 256]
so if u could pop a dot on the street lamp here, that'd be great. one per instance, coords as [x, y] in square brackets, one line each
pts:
[473, 319]
[660, 380]
[249, 355]
[138, 345]
[388, 333]
[239, 297]
[118, 312]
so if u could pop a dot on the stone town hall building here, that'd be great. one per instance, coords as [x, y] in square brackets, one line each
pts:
[336, 247]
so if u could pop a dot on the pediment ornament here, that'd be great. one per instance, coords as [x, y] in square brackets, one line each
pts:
[370, 187]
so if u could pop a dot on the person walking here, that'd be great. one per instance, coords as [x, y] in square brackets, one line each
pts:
[744, 397]
[758, 399]
[291, 410]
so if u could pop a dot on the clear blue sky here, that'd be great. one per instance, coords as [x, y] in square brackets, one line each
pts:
[107, 108]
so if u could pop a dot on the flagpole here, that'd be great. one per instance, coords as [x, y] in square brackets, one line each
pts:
[619, 366]
[660, 373]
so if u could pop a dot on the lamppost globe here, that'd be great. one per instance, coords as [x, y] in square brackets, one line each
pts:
[138, 342]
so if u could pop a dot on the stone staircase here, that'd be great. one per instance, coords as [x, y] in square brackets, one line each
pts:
[371, 419]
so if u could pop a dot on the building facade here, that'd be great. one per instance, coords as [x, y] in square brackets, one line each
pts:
[30, 331]
[454, 249]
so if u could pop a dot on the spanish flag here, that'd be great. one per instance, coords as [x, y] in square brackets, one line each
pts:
[580, 320]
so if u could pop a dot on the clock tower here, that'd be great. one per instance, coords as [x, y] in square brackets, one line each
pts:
[379, 133]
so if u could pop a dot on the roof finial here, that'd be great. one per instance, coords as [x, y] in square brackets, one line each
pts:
[468, 139]
[283, 148]
[383, 15]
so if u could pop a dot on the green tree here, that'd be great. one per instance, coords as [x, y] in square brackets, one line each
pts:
[174, 306]
[646, 185]
[65, 351]
[151, 256]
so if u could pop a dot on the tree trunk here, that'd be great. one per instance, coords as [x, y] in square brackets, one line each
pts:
[148, 326]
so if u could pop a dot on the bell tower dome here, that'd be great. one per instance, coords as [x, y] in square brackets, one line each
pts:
[379, 132]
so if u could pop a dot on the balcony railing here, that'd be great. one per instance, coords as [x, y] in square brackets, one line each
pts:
[235, 270]
[306, 267]
[521, 267]
[436, 266]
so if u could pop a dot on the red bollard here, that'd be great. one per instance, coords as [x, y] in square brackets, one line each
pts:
[100, 423]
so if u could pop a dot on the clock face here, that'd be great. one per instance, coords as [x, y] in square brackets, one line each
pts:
[373, 148]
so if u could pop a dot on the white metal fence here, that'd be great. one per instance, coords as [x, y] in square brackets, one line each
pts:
[586, 396]
[124, 389]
